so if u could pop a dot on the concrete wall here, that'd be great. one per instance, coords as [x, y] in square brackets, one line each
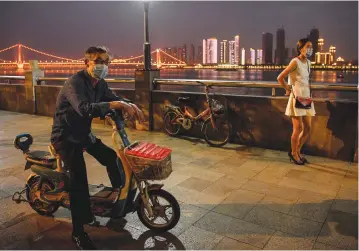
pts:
[13, 98]
[260, 121]
[257, 121]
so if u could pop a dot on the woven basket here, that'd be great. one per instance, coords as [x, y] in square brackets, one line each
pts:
[147, 168]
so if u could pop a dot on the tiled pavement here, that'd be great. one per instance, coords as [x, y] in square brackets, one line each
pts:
[231, 198]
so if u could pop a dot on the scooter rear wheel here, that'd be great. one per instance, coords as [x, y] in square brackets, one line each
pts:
[160, 211]
[42, 208]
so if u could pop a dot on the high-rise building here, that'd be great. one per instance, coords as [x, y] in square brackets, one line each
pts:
[243, 58]
[232, 52]
[294, 53]
[199, 55]
[210, 49]
[253, 56]
[286, 56]
[313, 37]
[192, 55]
[224, 52]
[236, 50]
[320, 45]
[204, 51]
[332, 51]
[259, 56]
[184, 53]
[179, 53]
[267, 47]
[280, 48]
[174, 52]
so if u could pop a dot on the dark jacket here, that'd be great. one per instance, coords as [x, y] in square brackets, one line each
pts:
[77, 104]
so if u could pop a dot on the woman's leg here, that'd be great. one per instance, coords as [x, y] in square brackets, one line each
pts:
[297, 129]
[307, 122]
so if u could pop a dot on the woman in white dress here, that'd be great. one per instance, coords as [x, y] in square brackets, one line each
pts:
[299, 71]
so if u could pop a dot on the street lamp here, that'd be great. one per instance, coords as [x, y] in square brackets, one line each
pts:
[147, 45]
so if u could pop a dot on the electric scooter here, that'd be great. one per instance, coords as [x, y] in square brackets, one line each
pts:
[142, 162]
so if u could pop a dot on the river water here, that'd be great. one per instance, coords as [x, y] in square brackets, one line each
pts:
[317, 76]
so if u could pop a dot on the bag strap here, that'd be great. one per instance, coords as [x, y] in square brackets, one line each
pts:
[309, 72]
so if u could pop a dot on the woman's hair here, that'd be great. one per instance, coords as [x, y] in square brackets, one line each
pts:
[301, 43]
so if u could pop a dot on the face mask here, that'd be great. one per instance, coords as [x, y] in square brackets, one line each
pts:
[100, 71]
[309, 52]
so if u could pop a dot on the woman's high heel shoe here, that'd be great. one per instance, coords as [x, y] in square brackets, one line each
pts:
[291, 158]
[304, 160]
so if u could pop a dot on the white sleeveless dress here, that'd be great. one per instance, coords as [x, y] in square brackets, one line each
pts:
[299, 80]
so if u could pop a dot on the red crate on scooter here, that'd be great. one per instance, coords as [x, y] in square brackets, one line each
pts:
[149, 161]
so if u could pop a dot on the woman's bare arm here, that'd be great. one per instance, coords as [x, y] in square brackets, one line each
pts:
[284, 74]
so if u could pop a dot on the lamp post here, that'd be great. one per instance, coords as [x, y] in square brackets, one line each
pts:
[147, 45]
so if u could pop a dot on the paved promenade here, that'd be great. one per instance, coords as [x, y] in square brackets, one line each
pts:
[231, 198]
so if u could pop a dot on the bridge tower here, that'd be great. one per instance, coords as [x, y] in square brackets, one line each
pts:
[158, 58]
[20, 64]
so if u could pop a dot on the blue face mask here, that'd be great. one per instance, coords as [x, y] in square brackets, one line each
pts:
[309, 52]
[100, 71]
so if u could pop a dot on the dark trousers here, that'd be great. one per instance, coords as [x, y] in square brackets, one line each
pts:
[72, 156]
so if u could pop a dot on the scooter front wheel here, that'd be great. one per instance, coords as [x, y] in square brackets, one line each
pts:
[165, 208]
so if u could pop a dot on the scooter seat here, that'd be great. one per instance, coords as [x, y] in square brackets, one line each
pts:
[40, 157]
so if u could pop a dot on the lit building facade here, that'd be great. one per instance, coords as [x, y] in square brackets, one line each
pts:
[259, 58]
[232, 52]
[210, 51]
[243, 56]
[224, 52]
[253, 56]
[236, 50]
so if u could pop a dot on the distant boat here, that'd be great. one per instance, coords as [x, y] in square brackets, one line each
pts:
[340, 75]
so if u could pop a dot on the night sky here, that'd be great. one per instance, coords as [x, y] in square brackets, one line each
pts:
[68, 28]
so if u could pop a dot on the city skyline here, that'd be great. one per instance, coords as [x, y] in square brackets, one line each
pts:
[226, 51]
[42, 25]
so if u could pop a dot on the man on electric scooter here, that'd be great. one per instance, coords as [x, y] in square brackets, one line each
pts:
[83, 97]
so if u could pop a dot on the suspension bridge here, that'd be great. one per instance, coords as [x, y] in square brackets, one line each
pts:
[159, 59]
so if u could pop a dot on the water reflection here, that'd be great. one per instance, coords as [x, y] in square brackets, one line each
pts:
[241, 75]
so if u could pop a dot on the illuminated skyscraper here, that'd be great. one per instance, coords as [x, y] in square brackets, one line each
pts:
[232, 54]
[259, 56]
[184, 53]
[224, 52]
[236, 50]
[204, 49]
[243, 59]
[210, 51]
[320, 45]
[253, 56]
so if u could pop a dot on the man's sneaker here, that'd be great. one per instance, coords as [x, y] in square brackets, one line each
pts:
[83, 242]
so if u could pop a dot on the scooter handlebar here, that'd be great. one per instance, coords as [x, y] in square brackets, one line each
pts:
[117, 117]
